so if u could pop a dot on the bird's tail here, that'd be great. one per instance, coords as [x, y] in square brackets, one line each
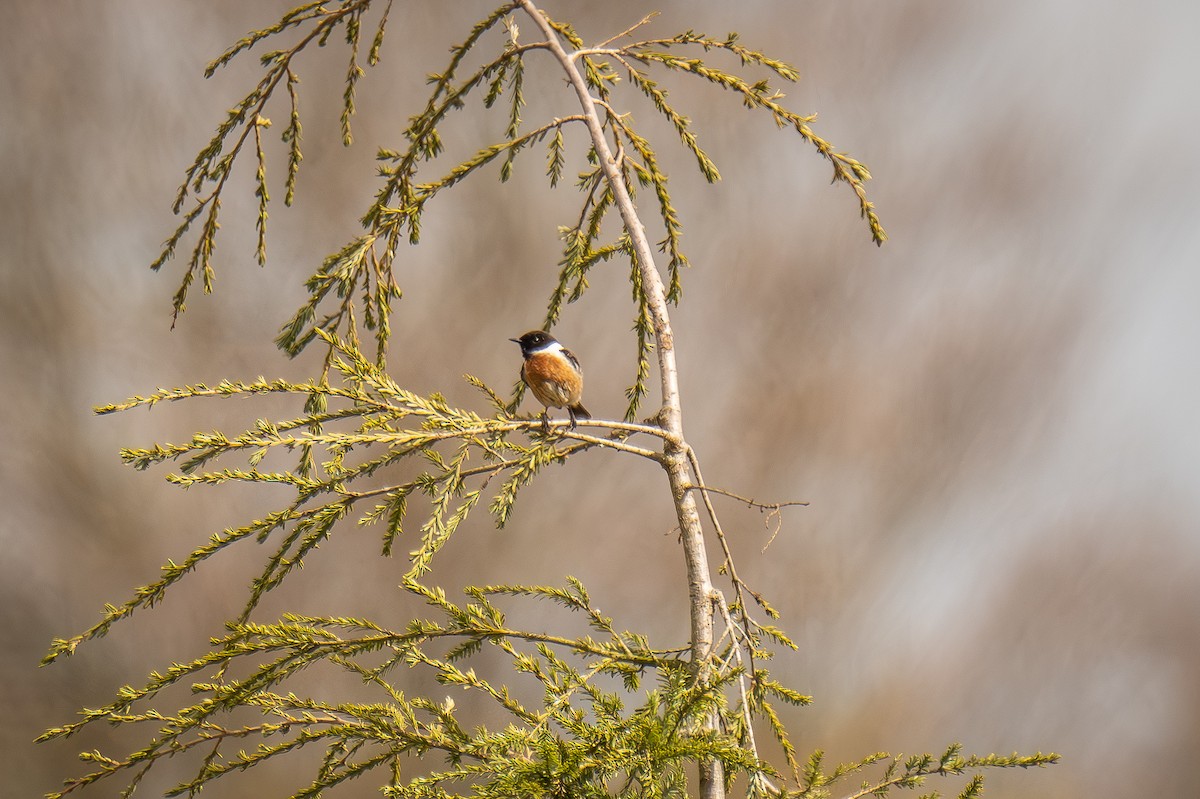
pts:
[579, 412]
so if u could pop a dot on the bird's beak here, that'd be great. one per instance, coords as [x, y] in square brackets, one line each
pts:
[515, 340]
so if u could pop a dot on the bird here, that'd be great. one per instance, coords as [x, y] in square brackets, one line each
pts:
[553, 374]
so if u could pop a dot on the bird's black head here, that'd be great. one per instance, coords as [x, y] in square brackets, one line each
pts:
[533, 341]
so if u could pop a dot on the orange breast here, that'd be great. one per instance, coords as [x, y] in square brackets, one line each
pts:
[552, 380]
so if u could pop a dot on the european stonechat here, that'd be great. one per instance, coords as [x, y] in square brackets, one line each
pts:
[553, 374]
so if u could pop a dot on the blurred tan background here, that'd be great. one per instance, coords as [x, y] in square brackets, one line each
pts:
[993, 416]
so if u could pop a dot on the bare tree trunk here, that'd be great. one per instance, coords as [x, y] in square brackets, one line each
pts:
[700, 587]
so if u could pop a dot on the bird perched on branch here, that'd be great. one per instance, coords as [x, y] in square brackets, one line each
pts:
[553, 374]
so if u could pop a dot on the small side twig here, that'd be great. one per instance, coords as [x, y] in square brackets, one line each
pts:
[747, 719]
[753, 503]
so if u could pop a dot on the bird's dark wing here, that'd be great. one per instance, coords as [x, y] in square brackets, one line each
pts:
[570, 356]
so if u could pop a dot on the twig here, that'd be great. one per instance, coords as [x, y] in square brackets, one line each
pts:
[644, 21]
[753, 503]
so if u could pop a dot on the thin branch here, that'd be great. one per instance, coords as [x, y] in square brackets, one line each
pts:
[644, 21]
[771, 506]
[744, 698]
[738, 585]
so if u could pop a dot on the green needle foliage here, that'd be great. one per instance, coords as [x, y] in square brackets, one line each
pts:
[616, 715]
